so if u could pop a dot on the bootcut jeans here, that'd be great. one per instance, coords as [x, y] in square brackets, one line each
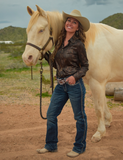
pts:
[76, 94]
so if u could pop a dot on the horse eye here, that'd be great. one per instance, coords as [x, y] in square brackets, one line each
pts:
[41, 31]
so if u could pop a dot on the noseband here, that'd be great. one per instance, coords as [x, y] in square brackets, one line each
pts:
[43, 48]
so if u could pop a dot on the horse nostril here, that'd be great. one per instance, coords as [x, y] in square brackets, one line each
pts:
[30, 57]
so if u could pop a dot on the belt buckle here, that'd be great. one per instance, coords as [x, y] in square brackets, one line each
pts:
[61, 81]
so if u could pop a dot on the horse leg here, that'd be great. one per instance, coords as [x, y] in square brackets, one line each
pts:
[107, 114]
[98, 91]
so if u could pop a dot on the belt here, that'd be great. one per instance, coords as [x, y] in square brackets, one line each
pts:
[61, 81]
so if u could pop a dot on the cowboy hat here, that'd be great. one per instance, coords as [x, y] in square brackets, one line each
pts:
[77, 15]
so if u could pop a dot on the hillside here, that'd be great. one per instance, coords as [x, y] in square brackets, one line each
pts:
[17, 34]
[14, 34]
[115, 21]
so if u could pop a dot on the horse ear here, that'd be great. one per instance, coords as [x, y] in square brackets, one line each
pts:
[41, 11]
[30, 11]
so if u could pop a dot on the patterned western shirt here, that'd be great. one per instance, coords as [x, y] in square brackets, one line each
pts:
[71, 60]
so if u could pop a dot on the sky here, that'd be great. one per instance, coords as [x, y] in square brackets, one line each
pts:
[14, 12]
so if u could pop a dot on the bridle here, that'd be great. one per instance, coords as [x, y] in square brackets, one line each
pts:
[43, 48]
[41, 69]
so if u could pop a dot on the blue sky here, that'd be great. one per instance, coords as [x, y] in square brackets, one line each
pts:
[14, 12]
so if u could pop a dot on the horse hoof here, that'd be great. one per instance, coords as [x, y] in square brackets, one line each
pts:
[108, 121]
[95, 139]
[107, 125]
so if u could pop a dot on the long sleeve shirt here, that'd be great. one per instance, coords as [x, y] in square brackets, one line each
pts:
[71, 60]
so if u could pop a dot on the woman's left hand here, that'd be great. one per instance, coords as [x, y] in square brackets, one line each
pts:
[71, 80]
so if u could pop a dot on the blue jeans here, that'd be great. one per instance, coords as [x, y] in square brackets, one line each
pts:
[76, 94]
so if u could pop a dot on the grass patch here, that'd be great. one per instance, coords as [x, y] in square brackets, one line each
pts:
[113, 105]
[2, 93]
[2, 75]
[18, 69]
[46, 94]
[110, 97]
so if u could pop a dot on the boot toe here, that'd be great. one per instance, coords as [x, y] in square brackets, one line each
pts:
[72, 154]
[43, 150]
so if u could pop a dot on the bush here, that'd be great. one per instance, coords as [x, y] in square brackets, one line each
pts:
[17, 52]
[2, 69]
[4, 47]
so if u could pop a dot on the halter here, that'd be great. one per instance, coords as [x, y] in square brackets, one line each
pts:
[41, 70]
[43, 48]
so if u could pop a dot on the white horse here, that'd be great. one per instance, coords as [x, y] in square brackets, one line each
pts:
[104, 46]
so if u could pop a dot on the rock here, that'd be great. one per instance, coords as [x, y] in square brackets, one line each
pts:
[109, 91]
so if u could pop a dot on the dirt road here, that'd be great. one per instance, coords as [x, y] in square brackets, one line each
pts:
[22, 131]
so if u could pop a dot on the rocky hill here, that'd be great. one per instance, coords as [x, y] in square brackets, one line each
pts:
[115, 21]
[15, 34]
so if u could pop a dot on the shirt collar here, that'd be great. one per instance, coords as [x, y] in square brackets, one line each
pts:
[72, 40]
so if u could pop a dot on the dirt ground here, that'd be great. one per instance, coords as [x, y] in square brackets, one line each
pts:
[22, 131]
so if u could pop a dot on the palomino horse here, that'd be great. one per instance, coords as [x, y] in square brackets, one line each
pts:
[104, 46]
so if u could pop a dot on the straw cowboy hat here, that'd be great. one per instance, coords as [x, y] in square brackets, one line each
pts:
[77, 15]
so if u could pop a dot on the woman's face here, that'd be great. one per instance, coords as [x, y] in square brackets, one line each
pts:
[71, 25]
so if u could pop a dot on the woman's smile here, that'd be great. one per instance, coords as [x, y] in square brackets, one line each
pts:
[71, 25]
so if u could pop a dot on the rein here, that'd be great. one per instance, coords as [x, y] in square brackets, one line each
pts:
[41, 69]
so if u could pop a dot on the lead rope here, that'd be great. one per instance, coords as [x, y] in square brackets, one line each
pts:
[41, 71]
[52, 84]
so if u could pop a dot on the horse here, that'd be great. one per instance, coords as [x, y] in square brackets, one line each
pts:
[104, 47]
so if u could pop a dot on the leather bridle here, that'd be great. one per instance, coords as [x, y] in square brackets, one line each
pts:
[43, 48]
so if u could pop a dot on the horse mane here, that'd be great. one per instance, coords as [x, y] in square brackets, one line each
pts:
[91, 34]
[56, 22]
[95, 29]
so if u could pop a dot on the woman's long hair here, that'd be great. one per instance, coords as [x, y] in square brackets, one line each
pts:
[80, 35]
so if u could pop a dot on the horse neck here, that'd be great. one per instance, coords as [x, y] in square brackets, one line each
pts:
[56, 22]
[91, 34]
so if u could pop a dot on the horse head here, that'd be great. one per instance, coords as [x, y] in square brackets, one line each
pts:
[38, 33]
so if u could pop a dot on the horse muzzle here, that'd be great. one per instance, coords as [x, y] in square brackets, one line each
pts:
[30, 60]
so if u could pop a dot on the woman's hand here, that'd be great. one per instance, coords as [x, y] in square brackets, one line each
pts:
[71, 80]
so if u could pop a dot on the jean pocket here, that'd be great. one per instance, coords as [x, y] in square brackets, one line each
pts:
[77, 82]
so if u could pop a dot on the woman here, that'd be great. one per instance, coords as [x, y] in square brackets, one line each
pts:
[71, 62]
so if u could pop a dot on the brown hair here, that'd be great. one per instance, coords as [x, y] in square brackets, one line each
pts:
[81, 36]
